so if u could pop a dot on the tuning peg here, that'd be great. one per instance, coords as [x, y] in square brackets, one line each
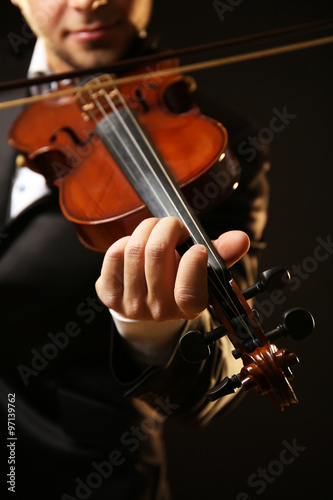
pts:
[226, 386]
[297, 322]
[270, 280]
[194, 346]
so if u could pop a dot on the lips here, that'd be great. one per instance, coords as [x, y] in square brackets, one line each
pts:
[93, 32]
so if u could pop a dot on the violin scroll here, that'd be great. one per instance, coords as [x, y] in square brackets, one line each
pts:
[298, 323]
[266, 368]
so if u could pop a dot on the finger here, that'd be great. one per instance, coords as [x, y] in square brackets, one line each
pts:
[135, 284]
[110, 284]
[161, 262]
[191, 291]
[231, 246]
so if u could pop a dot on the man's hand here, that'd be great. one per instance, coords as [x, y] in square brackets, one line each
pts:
[143, 277]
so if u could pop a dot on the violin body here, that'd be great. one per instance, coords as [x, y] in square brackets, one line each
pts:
[94, 193]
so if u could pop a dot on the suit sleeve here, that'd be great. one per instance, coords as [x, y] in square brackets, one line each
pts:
[180, 384]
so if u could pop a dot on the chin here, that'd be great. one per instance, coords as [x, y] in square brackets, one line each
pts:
[96, 57]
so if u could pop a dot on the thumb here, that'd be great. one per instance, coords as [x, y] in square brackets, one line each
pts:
[231, 246]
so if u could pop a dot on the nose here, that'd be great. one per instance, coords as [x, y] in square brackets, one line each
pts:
[86, 4]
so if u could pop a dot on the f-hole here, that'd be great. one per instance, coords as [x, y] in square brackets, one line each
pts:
[141, 99]
[76, 140]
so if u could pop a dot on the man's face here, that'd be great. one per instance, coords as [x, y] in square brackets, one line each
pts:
[85, 33]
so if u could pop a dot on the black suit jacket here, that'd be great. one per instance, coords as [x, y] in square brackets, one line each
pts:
[71, 411]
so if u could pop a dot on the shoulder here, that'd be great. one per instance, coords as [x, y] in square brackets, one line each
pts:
[15, 55]
[238, 124]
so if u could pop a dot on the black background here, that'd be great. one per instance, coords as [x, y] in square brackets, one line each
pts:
[219, 462]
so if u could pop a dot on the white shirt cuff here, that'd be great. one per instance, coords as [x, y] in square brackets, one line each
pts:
[151, 342]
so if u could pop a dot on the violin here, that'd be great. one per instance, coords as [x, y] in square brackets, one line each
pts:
[193, 146]
[120, 153]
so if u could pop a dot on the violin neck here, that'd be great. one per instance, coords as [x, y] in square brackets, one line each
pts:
[134, 153]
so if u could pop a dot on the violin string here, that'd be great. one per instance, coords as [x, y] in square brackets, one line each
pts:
[233, 306]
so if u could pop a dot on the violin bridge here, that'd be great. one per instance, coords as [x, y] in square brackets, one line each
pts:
[98, 97]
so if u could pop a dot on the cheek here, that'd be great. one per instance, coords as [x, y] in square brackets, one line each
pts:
[43, 17]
